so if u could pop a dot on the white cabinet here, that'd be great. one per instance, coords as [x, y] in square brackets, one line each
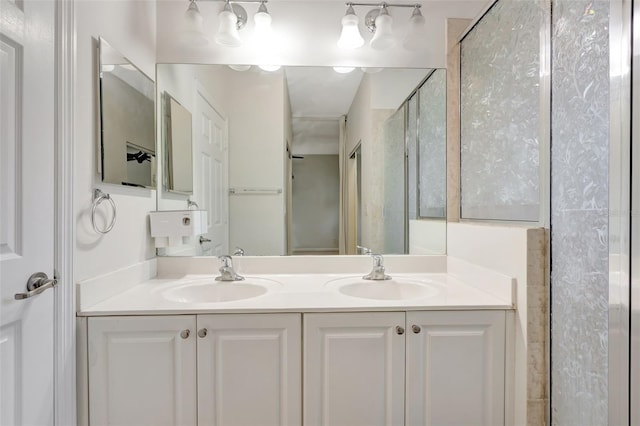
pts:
[249, 370]
[163, 370]
[354, 369]
[142, 370]
[455, 368]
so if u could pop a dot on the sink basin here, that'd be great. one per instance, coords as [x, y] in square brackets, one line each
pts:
[393, 289]
[217, 291]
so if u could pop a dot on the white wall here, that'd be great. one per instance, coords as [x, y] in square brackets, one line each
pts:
[428, 236]
[130, 27]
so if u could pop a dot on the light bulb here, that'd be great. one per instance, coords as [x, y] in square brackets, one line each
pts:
[227, 34]
[383, 38]
[415, 37]
[343, 70]
[350, 38]
[192, 33]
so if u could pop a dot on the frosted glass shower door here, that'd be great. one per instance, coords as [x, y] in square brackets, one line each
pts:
[394, 183]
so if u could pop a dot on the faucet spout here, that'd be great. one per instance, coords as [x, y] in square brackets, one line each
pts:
[377, 273]
[227, 273]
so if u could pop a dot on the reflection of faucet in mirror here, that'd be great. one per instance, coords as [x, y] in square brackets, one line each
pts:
[192, 204]
[364, 250]
[239, 251]
[227, 273]
[377, 273]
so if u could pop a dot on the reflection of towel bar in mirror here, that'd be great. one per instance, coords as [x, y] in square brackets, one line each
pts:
[255, 191]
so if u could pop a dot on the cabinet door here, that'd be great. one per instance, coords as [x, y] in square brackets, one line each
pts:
[354, 369]
[455, 368]
[249, 370]
[142, 370]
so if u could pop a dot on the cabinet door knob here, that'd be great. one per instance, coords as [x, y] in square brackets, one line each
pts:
[202, 333]
[400, 330]
[415, 328]
[185, 333]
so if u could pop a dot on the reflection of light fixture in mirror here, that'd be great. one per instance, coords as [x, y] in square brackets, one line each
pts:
[269, 68]
[415, 36]
[343, 70]
[263, 23]
[381, 28]
[371, 70]
[240, 68]
[192, 33]
[350, 38]
[232, 18]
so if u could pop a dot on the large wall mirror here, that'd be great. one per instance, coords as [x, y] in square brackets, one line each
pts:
[127, 134]
[311, 160]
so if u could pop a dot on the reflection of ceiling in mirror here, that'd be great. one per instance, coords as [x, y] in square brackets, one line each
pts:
[320, 96]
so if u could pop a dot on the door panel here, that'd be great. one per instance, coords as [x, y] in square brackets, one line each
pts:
[142, 371]
[249, 370]
[455, 360]
[26, 209]
[354, 369]
[212, 186]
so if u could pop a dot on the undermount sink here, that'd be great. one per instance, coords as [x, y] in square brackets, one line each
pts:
[211, 291]
[393, 289]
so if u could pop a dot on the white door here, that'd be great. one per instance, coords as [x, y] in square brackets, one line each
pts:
[455, 368]
[142, 371]
[249, 370]
[26, 210]
[211, 185]
[353, 369]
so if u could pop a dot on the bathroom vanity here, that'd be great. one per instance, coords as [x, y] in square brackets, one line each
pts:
[293, 348]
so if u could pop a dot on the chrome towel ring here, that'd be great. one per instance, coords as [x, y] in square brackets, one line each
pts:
[98, 198]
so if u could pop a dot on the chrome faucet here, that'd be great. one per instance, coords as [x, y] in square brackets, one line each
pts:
[239, 251]
[227, 273]
[377, 273]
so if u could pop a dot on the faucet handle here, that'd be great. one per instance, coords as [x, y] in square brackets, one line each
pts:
[239, 251]
[364, 250]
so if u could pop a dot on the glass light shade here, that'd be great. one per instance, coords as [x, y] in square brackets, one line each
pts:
[192, 32]
[343, 70]
[415, 37]
[383, 38]
[350, 38]
[269, 68]
[227, 34]
[263, 22]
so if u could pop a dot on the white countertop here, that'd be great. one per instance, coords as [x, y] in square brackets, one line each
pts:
[309, 293]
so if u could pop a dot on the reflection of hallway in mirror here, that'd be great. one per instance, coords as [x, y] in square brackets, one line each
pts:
[316, 199]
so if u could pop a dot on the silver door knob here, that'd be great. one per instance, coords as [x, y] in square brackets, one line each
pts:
[202, 333]
[36, 284]
[185, 333]
[400, 330]
[415, 328]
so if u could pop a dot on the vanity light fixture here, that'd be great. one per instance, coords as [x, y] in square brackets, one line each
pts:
[263, 23]
[415, 35]
[232, 18]
[350, 38]
[193, 33]
[379, 22]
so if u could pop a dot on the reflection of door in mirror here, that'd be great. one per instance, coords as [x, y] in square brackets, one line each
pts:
[211, 188]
